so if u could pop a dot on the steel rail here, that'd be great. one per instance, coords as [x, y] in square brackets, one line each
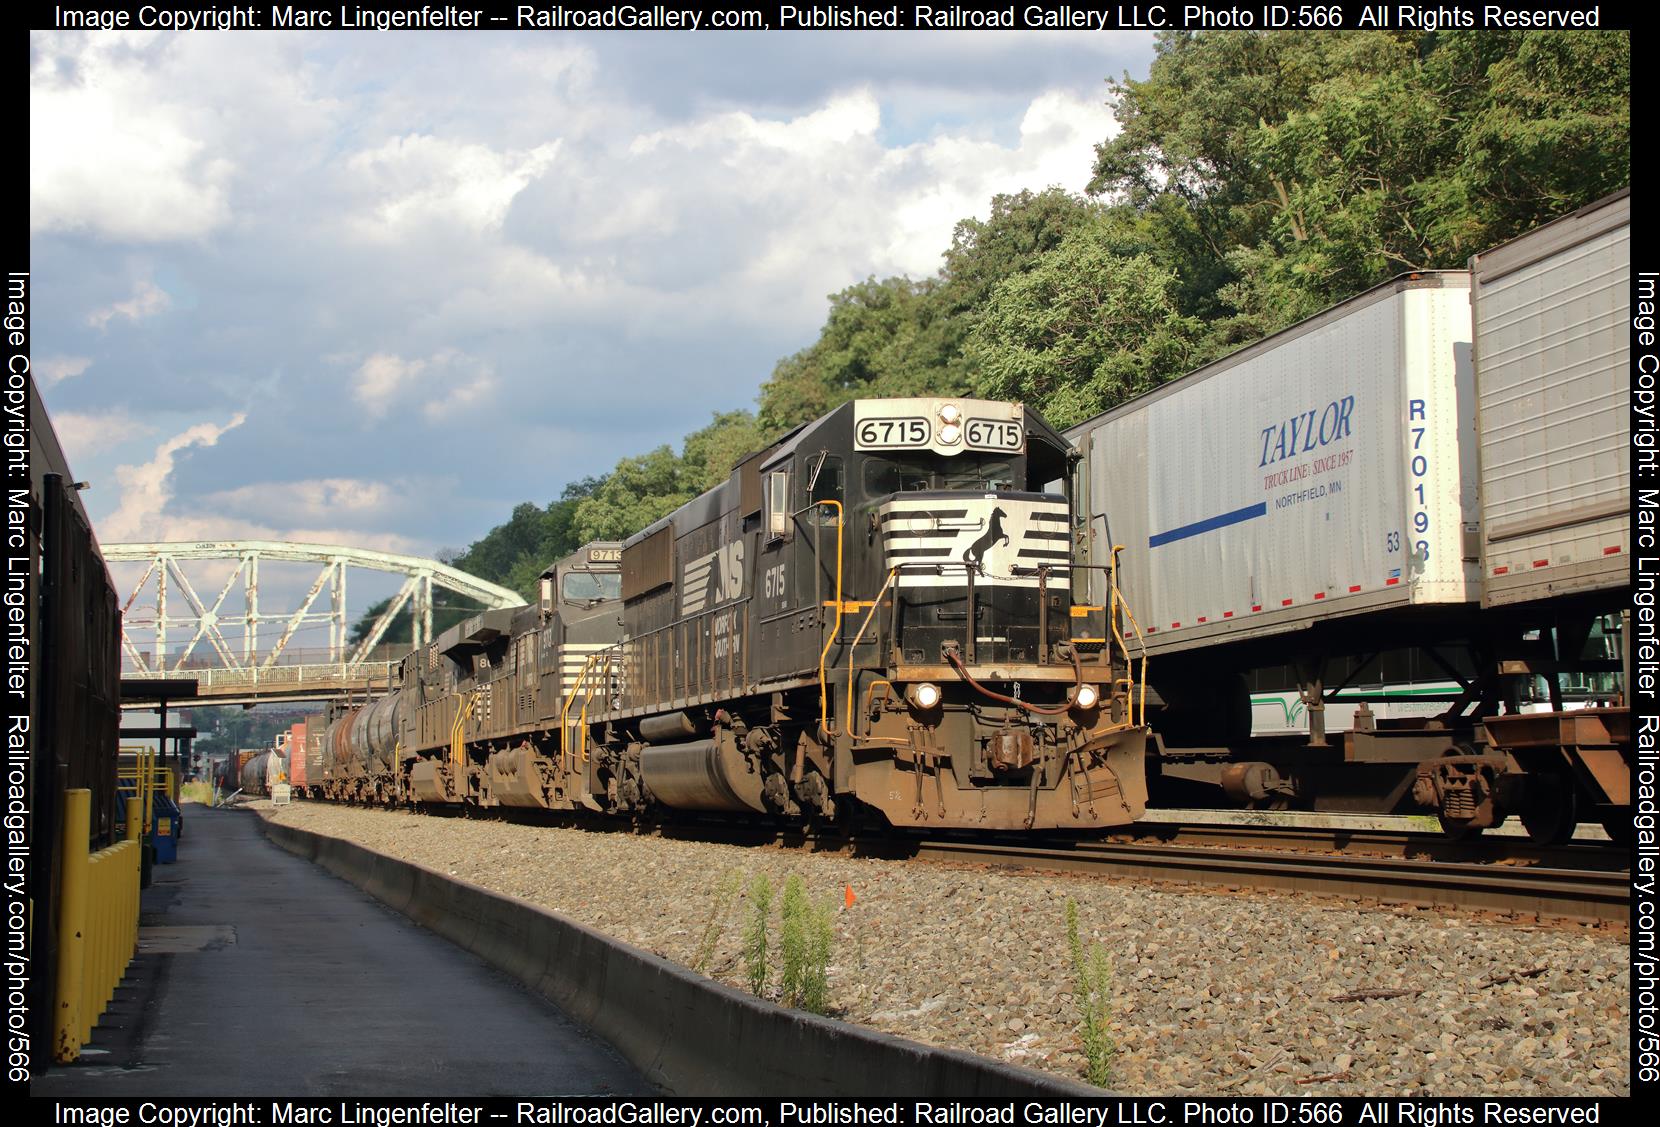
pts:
[1386, 843]
[1576, 894]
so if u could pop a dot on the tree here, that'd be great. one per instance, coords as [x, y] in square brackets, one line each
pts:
[882, 338]
[1086, 328]
[634, 494]
[1288, 171]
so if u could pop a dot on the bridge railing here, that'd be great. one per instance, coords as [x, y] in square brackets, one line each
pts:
[218, 679]
[205, 658]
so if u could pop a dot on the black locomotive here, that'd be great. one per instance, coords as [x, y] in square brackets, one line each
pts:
[876, 613]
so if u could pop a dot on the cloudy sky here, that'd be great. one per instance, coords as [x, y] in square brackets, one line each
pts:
[376, 289]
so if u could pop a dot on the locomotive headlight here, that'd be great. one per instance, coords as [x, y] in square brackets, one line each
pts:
[1088, 697]
[949, 413]
[924, 695]
[950, 434]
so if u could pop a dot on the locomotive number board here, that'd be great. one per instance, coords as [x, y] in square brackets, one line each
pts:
[992, 434]
[891, 434]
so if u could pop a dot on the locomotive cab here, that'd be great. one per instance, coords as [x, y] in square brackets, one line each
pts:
[876, 611]
[976, 672]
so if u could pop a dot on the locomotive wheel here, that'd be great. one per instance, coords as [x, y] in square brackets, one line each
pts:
[1552, 810]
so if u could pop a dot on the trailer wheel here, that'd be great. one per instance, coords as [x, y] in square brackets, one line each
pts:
[1551, 811]
[1462, 785]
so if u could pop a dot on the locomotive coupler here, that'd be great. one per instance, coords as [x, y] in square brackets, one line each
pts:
[1010, 749]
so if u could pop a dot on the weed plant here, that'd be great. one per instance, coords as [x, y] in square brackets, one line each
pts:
[1092, 975]
[755, 935]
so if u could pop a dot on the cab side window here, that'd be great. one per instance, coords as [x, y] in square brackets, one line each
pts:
[779, 524]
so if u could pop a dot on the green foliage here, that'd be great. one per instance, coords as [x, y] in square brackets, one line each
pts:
[756, 933]
[1292, 170]
[448, 608]
[1020, 230]
[1092, 990]
[1083, 330]
[716, 924]
[516, 553]
[646, 488]
[513, 554]
[882, 338]
[794, 911]
[821, 942]
[198, 791]
[805, 945]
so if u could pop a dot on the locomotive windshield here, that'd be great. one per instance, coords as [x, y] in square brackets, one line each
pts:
[883, 476]
[598, 586]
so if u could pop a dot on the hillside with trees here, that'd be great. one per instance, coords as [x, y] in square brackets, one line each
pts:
[1256, 179]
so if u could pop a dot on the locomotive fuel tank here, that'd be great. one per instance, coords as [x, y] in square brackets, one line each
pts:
[710, 774]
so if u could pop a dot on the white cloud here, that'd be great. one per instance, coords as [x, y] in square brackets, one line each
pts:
[113, 150]
[312, 502]
[770, 215]
[439, 385]
[421, 180]
[82, 434]
[378, 380]
[148, 299]
[146, 489]
[55, 369]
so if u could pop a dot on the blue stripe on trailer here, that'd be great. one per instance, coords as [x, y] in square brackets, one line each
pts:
[1249, 512]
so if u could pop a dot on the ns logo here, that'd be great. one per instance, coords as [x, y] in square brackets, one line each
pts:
[713, 578]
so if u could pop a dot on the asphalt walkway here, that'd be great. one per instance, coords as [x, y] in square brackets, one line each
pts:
[259, 974]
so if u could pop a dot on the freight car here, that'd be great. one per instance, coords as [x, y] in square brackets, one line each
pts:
[73, 690]
[262, 771]
[1436, 465]
[873, 616]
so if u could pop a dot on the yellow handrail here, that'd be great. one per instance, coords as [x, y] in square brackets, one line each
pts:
[582, 721]
[823, 693]
[458, 747]
[853, 649]
[565, 712]
[1118, 601]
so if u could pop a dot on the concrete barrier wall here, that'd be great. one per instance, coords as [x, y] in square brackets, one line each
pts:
[689, 1034]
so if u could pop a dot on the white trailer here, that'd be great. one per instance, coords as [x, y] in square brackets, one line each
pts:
[1553, 400]
[1325, 471]
[1401, 471]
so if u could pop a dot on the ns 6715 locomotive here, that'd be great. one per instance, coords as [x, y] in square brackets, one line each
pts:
[874, 614]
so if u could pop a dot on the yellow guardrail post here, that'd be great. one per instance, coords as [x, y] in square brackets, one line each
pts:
[71, 955]
[97, 921]
[134, 875]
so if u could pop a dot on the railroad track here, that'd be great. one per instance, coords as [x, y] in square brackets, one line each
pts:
[1591, 895]
[1383, 843]
[1583, 881]
[1587, 882]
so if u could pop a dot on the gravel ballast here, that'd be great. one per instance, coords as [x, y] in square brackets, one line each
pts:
[1212, 992]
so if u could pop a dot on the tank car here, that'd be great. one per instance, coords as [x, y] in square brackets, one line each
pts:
[260, 771]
